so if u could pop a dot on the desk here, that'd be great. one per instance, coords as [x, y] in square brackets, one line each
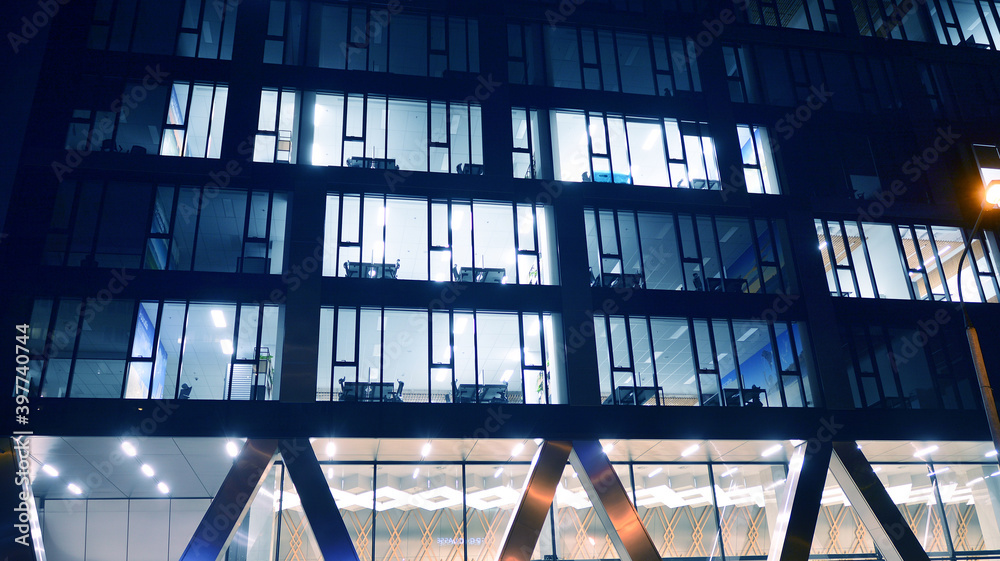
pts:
[631, 395]
[372, 163]
[727, 285]
[470, 169]
[605, 177]
[357, 270]
[368, 391]
[710, 184]
[484, 393]
[750, 397]
[493, 275]
[629, 280]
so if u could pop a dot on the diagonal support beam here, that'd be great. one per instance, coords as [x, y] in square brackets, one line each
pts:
[892, 535]
[318, 503]
[231, 503]
[793, 533]
[539, 489]
[611, 502]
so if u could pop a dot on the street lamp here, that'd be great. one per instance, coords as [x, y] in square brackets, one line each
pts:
[992, 199]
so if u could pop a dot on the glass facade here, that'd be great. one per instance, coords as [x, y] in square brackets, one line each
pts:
[403, 225]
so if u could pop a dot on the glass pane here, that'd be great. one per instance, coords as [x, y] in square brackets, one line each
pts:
[748, 497]
[675, 368]
[675, 504]
[208, 348]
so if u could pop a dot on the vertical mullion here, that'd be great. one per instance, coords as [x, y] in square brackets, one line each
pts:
[357, 344]
[234, 357]
[642, 266]
[475, 343]
[200, 28]
[590, 145]
[197, 229]
[336, 338]
[451, 354]
[611, 358]
[736, 365]
[180, 352]
[381, 353]
[652, 360]
[129, 358]
[247, 212]
[832, 257]
[777, 361]
[868, 259]
[259, 336]
[520, 352]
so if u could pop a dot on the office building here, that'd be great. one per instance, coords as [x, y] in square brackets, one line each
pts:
[721, 246]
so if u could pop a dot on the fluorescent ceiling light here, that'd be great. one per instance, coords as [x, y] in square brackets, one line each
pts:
[497, 473]
[729, 472]
[232, 449]
[747, 335]
[538, 441]
[689, 450]
[607, 448]
[460, 323]
[163, 487]
[75, 489]
[974, 481]
[218, 318]
[655, 472]
[331, 449]
[728, 235]
[680, 331]
[517, 449]
[129, 448]
[416, 472]
[991, 453]
[772, 450]
[425, 450]
[925, 451]
[50, 470]
[689, 381]
[822, 246]
[147, 470]
[227, 346]
[506, 376]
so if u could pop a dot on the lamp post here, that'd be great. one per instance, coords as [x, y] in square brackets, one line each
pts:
[992, 198]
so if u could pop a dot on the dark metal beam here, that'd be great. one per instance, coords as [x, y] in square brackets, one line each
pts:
[273, 419]
[318, 503]
[232, 502]
[611, 502]
[539, 489]
[892, 535]
[793, 533]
